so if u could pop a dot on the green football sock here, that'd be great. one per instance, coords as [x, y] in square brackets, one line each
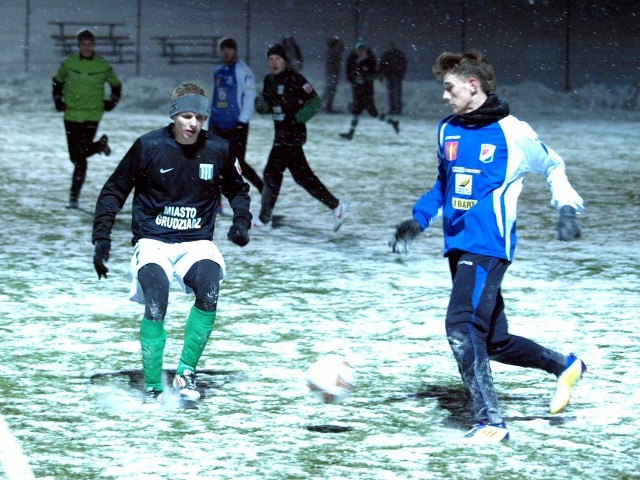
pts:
[196, 334]
[152, 340]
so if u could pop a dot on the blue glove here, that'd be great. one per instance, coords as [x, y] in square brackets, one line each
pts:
[568, 226]
[404, 235]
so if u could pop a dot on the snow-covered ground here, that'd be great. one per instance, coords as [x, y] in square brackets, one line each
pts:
[302, 291]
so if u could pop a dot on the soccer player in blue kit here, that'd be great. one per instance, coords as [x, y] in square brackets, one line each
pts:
[178, 174]
[483, 155]
[234, 92]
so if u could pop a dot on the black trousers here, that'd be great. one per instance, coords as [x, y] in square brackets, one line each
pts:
[364, 99]
[330, 90]
[394, 90]
[478, 331]
[81, 146]
[293, 158]
[237, 138]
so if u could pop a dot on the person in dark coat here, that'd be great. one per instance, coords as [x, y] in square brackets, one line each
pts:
[362, 72]
[393, 67]
[333, 62]
[294, 54]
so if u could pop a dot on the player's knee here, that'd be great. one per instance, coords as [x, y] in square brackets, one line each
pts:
[155, 310]
[208, 302]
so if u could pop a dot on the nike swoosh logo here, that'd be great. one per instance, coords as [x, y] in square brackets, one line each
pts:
[165, 170]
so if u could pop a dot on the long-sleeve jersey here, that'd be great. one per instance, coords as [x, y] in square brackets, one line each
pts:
[480, 177]
[84, 80]
[292, 102]
[177, 188]
[361, 71]
[234, 91]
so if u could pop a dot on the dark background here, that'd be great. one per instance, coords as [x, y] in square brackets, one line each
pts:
[563, 44]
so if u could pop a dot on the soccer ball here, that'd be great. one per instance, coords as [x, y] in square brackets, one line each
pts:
[331, 379]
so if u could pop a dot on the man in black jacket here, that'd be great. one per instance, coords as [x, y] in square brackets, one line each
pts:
[292, 102]
[178, 173]
[333, 63]
[393, 67]
[362, 72]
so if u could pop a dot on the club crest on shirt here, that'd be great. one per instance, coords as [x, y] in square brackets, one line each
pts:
[486, 152]
[451, 151]
[206, 171]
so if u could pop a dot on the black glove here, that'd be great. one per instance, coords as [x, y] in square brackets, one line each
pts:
[568, 226]
[101, 255]
[239, 231]
[60, 105]
[57, 91]
[404, 235]
[261, 105]
[110, 104]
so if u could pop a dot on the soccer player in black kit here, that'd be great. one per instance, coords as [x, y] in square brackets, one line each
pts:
[177, 174]
[292, 102]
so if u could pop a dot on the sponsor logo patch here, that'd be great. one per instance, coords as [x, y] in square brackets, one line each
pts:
[179, 218]
[464, 184]
[462, 203]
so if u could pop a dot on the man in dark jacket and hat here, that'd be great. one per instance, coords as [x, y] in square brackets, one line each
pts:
[292, 102]
[362, 72]
[393, 67]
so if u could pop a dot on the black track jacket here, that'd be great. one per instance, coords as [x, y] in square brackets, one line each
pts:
[177, 188]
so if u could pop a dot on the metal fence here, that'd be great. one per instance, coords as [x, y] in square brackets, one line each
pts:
[563, 44]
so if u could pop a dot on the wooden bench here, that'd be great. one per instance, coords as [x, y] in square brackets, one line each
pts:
[117, 48]
[189, 48]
